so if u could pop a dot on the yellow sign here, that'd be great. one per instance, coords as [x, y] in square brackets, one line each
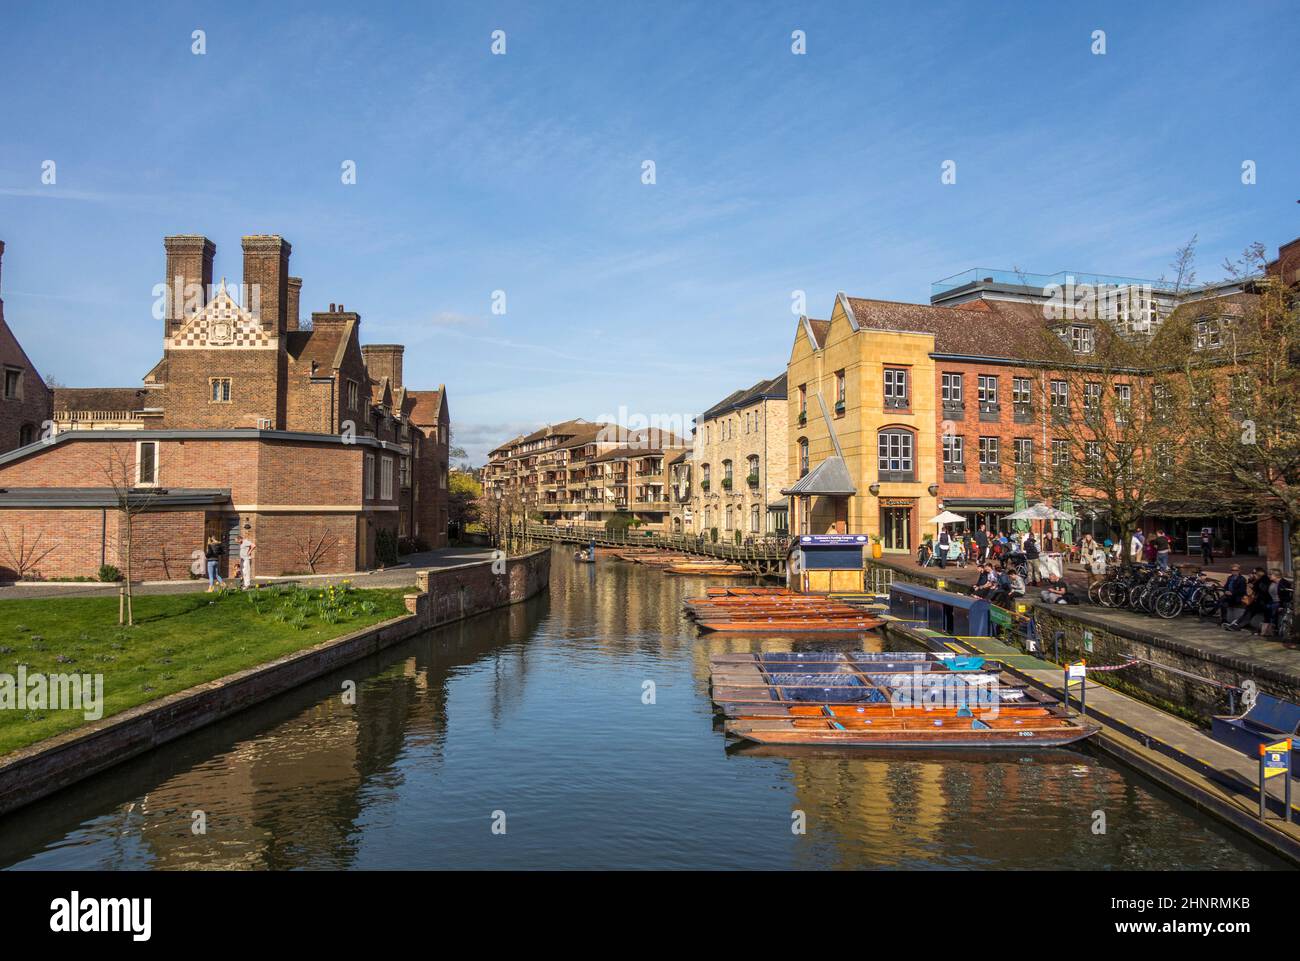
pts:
[1276, 758]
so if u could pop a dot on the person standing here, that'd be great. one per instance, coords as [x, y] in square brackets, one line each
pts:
[212, 554]
[1030, 548]
[1207, 546]
[1163, 547]
[246, 551]
[1135, 545]
[982, 542]
[945, 541]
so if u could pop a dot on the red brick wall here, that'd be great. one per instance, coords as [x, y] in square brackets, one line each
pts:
[35, 406]
[254, 388]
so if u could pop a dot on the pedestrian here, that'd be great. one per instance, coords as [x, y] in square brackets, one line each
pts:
[1094, 560]
[1163, 546]
[1207, 546]
[212, 552]
[1135, 545]
[246, 551]
[945, 543]
[982, 542]
[1031, 557]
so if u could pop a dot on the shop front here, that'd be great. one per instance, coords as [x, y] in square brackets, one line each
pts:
[898, 524]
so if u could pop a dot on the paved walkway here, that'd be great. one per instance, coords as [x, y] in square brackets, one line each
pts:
[402, 576]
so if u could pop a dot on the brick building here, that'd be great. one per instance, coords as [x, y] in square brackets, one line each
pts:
[251, 418]
[899, 411]
[24, 398]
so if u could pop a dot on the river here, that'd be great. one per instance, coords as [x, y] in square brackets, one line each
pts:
[522, 739]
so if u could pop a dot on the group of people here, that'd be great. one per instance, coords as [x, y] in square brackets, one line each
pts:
[214, 550]
[980, 546]
[1254, 603]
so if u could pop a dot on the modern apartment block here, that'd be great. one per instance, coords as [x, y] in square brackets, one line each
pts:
[582, 472]
[729, 488]
[251, 420]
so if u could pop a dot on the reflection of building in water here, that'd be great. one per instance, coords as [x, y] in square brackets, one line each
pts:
[292, 796]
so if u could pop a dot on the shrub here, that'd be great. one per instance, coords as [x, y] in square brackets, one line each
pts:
[386, 547]
[109, 573]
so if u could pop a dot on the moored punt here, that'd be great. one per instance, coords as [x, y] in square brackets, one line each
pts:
[1008, 730]
[874, 711]
[714, 570]
[794, 625]
[866, 661]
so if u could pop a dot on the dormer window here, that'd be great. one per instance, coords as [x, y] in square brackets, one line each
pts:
[1081, 339]
[1209, 334]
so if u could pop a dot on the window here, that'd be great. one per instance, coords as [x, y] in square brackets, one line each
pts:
[1022, 391]
[1060, 397]
[727, 523]
[988, 392]
[1024, 451]
[704, 476]
[370, 476]
[1123, 401]
[951, 385]
[894, 455]
[803, 399]
[27, 435]
[1091, 397]
[354, 395]
[1160, 401]
[219, 390]
[146, 463]
[753, 519]
[803, 456]
[13, 383]
[753, 470]
[1081, 339]
[1164, 457]
[1208, 334]
[953, 453]
[386, 478]
[726, 473]
[989, 454]
[1092, 453]
[1060, 452]
[896, 388]
[840, 393]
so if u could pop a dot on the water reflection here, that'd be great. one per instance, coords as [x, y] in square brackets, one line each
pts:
[538, 711]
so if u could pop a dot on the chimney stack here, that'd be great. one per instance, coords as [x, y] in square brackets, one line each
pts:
[266, 279]
[384, 360]
[295, 294]
[189, 276]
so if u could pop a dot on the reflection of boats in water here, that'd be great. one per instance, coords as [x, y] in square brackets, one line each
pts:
[1038, 755]
[917, 729]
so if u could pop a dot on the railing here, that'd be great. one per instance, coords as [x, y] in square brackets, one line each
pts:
[766, 555]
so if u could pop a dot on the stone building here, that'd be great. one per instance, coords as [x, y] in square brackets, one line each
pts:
[24, 397]
[250, 420]
[738, 466]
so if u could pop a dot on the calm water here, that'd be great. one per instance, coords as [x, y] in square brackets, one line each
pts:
[537, 712]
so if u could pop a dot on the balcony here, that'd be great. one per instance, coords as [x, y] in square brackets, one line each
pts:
[1022, 412]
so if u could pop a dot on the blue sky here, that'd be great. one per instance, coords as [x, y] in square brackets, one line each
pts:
[522, 172]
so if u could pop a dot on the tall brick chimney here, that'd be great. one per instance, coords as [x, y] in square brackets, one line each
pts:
[189, 275]
[384, 360]
[295, 294]
[266, 279]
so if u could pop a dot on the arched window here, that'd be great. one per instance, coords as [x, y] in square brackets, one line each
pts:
[726, 474]
[26, 435]
[752, 477]
[896, 454]
[803, 456]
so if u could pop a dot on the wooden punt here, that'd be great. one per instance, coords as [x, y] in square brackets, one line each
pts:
[1010, 731]
[707, 570]
[863, 660]
[807, 625]
[877, 711]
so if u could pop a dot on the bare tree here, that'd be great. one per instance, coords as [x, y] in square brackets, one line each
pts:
[314, 546]
[23, 558]
[1234, 368]
[120, 471]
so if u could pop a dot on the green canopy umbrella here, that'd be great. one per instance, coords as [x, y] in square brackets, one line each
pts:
[1019, 503]
[1067, 527]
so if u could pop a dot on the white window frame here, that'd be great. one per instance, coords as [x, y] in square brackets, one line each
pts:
[386, 478]
[139, 462]
[370, 476]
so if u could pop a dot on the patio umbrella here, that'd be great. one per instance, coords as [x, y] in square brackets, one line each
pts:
[1019, 504]
[947, 517]
[1065, 517]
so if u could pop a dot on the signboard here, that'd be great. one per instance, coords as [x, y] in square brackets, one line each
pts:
[898, 502]
[1079, 670]
[1275, 758]
[999, 617]
[832, 540]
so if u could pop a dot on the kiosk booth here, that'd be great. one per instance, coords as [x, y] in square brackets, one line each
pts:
[957, 615]
[825, 563]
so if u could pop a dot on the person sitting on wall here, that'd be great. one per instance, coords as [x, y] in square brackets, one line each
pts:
[1056, 591]
[1234, 590]
[1001, 593]
[984, 583]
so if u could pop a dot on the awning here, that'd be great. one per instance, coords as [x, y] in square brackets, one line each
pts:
[830, 478]
[979, 504]
[106, 497]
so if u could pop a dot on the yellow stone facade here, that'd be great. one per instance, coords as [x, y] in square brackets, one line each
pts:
[898, 509]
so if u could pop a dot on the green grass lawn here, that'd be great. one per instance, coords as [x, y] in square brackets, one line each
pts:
[178, 640]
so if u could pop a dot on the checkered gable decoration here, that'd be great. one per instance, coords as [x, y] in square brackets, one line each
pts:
[222, 323]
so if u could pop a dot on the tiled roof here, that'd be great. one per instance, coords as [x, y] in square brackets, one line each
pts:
[820, 328]
[427, 406]
[101, 398]
[829, 478]
[773, 389]
[1004, 329]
